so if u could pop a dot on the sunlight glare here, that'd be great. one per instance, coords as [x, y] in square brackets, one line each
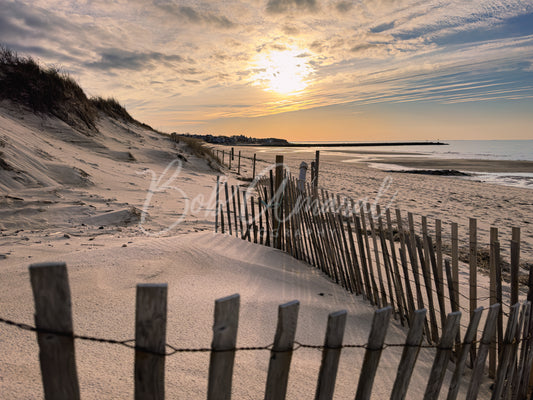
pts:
[285, 72]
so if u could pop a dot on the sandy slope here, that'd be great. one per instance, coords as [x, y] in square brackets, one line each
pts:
[79, 199]
[199, 268]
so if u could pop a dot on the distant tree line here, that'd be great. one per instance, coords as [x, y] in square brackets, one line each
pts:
[237, 139]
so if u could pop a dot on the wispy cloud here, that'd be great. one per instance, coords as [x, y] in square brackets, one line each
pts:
[122, 59]
[283, 6]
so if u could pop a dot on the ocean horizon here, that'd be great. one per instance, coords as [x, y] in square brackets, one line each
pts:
[494, 150]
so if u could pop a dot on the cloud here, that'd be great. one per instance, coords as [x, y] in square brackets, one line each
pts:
[290, 30]
[383, 27]
[344, 6]
[192, 16]
[130, 60]
[284, 6]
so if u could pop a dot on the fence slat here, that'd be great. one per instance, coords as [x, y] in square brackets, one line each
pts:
[355, 262]
[375, 291]
[492, 275]
[382, 292]
[521, 366]
[389, 274]
[444, 351]
[409, 355]
[486, 338]
[216, 203]
[150, 334]
[364, 266]
[330, 355]
[427, 283]
[473, 272]
[53, 312]
[506, 354]
[281, 354]
[460, 364]
[526, 376]
[455, 261]
[380, 324]
[515, 262]
[228, 209]
[400, 293]
[223, 347]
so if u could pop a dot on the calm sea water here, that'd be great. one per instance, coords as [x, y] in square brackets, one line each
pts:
[517, 150]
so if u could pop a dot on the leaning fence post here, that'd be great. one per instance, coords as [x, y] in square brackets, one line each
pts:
[317, 166]
[505, 357]
[380, 324]
[216, 203]
[493, 264]
[460, 364]
[281, 354]
[444, 351]
[409, 355]
[301, 180]
[455, 261]
[515, 262]
[223, 348]
[331, 355]
[278, 205]
[253, 166]
[150, 341]
[473, 273]
[486, 340]
[53, 312]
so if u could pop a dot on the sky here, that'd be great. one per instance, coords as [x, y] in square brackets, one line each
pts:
[317, 70]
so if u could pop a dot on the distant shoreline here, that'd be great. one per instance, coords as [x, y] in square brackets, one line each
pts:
[349, 144]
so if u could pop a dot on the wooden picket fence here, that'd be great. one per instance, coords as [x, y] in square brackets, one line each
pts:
[56, 338]
[374, 252]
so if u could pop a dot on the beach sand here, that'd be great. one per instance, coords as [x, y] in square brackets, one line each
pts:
[118, 209]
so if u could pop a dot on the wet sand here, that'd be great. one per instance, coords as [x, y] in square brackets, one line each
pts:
[461, 164]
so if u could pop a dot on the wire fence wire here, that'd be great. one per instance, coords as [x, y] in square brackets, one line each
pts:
[172, 350]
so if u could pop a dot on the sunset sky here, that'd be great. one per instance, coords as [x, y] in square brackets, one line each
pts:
[299, 69]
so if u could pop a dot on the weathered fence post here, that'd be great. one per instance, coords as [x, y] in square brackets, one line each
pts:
[239, 164]
[493, 264]
[216, 204]
[460, 363]
[317, 164]
[515, 262]
[228, 206]
[277, 198]
[380, 324]
[473, 272]
[253, 166]
[409, 355]
[281, 354]
[455, 261]
[223, 348]
[301, 180]
[505, 357]
[150, 341]
[444, 351]
[331, 355]
[53, 313]
[486, 339]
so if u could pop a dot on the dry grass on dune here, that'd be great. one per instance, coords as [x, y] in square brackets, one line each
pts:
[50, 91]
[199, 149]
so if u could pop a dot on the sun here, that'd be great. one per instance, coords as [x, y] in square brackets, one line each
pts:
[286, 72]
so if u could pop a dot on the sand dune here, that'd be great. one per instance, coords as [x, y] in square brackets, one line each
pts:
[120, 209]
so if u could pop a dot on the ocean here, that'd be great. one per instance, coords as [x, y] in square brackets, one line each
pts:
[504, 150]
